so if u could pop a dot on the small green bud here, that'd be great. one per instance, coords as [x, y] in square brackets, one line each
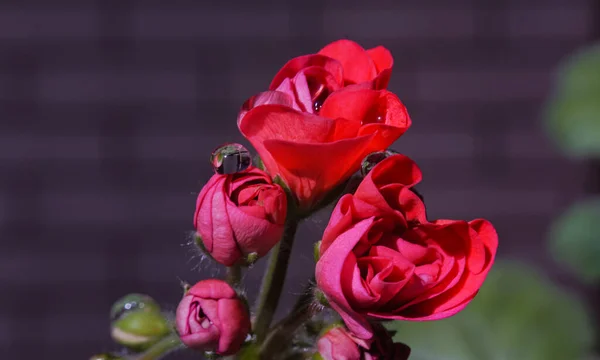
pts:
[199, 243]
[317, 250]
[140, 329]
[185, 286]
[106, 356]
[133, 302]
[251, 258]
[320, 297]
[317, 356]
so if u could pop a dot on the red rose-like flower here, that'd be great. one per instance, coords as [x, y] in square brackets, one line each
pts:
[339, 344]
[212, 317]
[322, 114]
[314, 153]
[239, 214]
[304, 82]
[381, 258]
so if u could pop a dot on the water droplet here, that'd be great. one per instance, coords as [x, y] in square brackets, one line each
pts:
[373, 159]
[374, 115]
[230, 159]
[317, 106]
[133, 302]
[319, 95]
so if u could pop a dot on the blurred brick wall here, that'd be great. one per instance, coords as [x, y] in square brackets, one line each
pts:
[110, 109]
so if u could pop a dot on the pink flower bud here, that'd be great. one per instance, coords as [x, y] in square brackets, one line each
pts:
[339, 344]
[212, 317]
[240, 214]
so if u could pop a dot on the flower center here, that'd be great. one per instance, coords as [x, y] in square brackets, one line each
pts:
[319, 92]
[202, 319]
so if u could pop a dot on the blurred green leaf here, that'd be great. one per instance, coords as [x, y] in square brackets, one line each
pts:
[516, 315]
[575, 239]
[579, 74]
[573, 112]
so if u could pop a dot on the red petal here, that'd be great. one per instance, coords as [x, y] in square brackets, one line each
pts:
[265, 98]
[379, 111]
[330, 276]
[235, 326]
[212, 289]
[310, 170]
[383, 62]
[357, 64]
[292, 67]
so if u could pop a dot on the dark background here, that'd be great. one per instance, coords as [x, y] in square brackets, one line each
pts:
[109, 111]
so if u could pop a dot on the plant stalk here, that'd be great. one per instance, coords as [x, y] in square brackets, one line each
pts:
[273, 280]
[282, 333]
[234, 275]
[159, 350]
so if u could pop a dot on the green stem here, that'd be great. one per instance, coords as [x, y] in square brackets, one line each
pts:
[234, 275]
[273, 280]
[283, 332]
[165, 346]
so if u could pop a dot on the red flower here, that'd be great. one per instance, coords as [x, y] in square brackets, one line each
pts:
[339, 344]
[382, 259]
[212, 317]
[312, 129]
[304, 82]
[239, 214]
[314, 153]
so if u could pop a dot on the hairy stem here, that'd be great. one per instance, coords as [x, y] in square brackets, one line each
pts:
[234, 275]
[162, 348]
[283, 332]
[273, 280]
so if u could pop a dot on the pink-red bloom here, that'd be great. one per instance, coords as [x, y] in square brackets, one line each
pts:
[339, 344]
[304, 82]
[314, 153]
[322, 115]
[212, 317]
[381, 257]
[239, 214]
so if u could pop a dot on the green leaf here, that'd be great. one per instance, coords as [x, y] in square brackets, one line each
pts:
[579, 74]
[516, 315]
[574, 239]
[573, 112]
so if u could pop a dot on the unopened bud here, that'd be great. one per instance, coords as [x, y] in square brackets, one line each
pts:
[251, 258]
[140, 329]
[137, 322]
[133, 302]
[317, 250]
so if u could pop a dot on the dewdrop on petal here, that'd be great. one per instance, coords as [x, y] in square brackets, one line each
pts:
[230, 158]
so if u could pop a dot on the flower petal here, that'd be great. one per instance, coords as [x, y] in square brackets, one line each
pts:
[320, 168]
[383, 62]
[371, 108]
[330, 275]
[292, 67]
[234, 327]
[266, 98]
[357, 64]
[212, 289]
